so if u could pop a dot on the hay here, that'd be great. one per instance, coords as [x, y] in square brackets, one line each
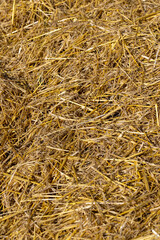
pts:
[79, 119]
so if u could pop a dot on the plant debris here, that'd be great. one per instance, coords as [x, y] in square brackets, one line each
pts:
[80, 119]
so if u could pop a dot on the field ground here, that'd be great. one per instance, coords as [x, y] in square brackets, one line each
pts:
[80, 119]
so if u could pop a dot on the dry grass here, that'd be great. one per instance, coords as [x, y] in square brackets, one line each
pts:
[80, 119]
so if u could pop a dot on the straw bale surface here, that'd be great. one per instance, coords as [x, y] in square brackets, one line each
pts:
[80, 119]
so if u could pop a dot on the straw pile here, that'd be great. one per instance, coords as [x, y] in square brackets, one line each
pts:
[80, 119]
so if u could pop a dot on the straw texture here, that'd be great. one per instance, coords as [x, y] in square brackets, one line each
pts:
[80, 119]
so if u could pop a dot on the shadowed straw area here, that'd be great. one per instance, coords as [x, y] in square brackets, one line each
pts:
[79, 119]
